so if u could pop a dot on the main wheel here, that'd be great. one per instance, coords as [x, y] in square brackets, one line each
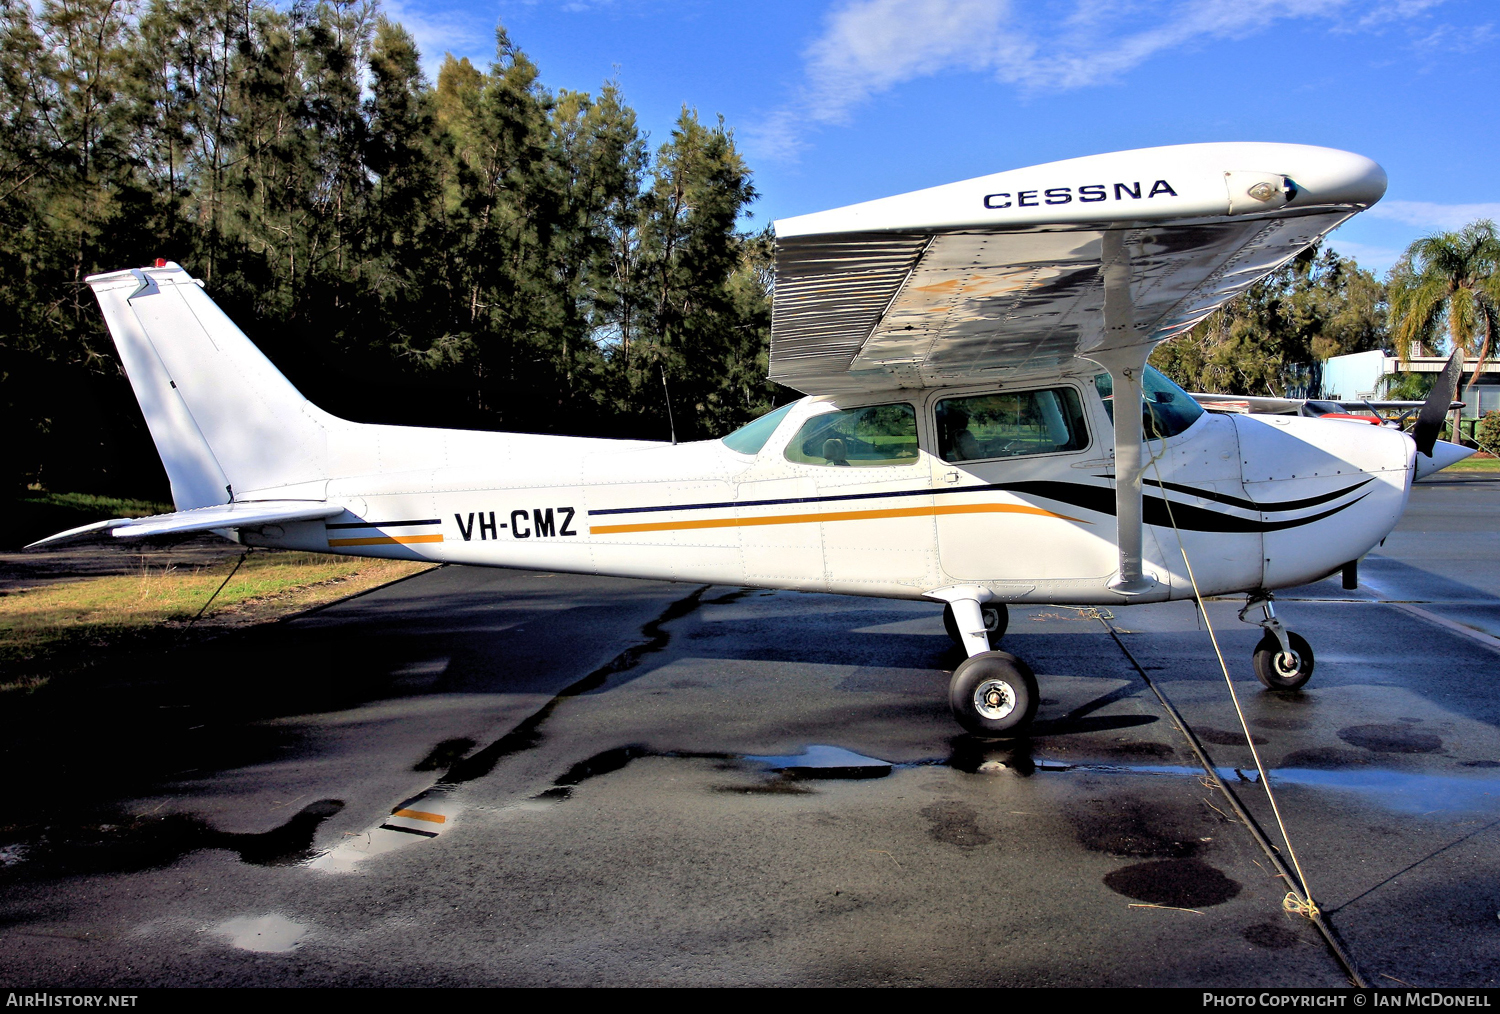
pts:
[996, 619]
[993, 693]
[1280, 671]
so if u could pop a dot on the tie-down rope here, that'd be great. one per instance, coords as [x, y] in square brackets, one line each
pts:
[1300, 902]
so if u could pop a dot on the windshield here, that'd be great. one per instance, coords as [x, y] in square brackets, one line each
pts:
[1166, 409]
[752, 436]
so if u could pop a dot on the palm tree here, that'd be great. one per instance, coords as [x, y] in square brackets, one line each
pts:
[1452, 279]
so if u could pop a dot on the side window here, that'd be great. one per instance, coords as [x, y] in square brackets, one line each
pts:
[872, 435]
[1009, 424]
[1166, 409]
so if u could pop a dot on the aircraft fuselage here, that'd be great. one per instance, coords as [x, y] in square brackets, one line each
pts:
[1257, 501]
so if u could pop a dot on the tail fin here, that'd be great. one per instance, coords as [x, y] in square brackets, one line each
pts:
[224, 419]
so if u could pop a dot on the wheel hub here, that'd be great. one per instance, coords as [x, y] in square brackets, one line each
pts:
[994, 699]
[1287, 664]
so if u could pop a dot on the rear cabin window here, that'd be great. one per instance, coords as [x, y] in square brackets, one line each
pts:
[1010, 424]
[872, 435]
[752, 436]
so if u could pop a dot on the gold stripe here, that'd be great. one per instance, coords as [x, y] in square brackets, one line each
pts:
[385, 540]
[803, 519]
[436, 818]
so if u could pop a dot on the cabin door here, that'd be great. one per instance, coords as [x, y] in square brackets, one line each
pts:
[1006, 465]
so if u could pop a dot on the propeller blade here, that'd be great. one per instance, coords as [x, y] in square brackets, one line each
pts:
[1430, 419]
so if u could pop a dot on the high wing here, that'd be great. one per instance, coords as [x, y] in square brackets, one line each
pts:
[203, 519]
[1021, 271]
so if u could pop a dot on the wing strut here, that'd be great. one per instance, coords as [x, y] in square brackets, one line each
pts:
[1124, 355]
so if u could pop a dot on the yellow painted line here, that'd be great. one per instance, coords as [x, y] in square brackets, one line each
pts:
[436, 818]
[385, 540]
[803, 519]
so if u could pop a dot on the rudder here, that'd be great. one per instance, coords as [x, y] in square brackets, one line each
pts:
[224, 419]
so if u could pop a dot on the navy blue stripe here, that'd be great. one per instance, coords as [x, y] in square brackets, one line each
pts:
[805, 499]
[1250, 505]
[385, 524]
[1101, 500]
[1089, 497]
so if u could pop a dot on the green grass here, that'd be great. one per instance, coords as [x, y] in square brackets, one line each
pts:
[1475, 464]
[69, 625]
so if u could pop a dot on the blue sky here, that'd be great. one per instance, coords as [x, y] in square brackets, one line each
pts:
[844, 101]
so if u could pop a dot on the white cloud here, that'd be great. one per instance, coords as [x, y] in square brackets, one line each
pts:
[873, 44]
[1377, 259]
[868, 47]
[1432, 216]
[437, 32]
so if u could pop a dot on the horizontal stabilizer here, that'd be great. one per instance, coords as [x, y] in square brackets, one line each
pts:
[202, 519]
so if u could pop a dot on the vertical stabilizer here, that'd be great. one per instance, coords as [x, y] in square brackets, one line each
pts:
[224, 419]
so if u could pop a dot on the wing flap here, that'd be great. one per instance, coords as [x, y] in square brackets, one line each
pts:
[203, 519]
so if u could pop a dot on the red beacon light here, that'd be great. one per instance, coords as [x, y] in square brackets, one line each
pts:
[161, 262]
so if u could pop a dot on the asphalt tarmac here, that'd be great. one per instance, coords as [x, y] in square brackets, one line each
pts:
[482, 777]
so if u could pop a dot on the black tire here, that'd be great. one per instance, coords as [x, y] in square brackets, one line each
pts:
[996, 619]
[1008, 683]
[1276, 671]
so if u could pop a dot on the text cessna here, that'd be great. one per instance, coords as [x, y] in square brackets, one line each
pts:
[1088, 194]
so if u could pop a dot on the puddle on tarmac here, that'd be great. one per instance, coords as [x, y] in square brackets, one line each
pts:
[1175, 883]
[820, 761]
[816, 762]
[147, 841]
[264, 934]
[955, 823]
[422, 817]
[1407, 792]
[1223, 737]
[1403, 791]
[429, 814]
[446, 754]
[1391, 739]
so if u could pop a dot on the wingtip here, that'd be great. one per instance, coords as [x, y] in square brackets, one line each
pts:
[79, 533]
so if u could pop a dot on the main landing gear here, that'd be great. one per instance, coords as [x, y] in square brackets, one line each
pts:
[1283, 660]
[996, 619]
[992, 692]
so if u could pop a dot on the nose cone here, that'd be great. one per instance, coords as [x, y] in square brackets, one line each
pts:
[1443, 455]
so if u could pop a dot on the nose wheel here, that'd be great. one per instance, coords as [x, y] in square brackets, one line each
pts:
[1283, 660]
[993, 693]
[1283, 670]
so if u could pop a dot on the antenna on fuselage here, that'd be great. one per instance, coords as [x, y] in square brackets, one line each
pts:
[671, 426]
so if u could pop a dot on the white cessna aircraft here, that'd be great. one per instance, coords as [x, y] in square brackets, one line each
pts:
[964, 349]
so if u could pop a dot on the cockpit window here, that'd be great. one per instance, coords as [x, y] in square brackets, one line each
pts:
[1009, 424]
[872, 435]
[1166, 409]
[752, 436]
